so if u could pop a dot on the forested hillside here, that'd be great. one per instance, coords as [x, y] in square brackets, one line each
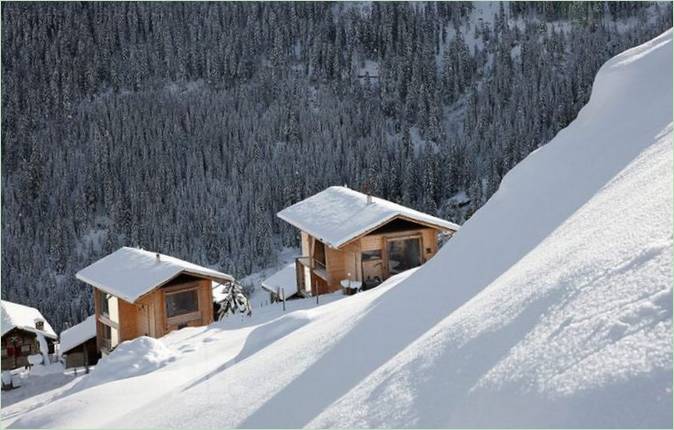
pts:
[184, 128]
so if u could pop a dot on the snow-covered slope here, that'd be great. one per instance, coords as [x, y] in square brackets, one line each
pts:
[577, 332]
[552, 306]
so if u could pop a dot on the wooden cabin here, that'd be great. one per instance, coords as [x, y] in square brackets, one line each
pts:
[77, 344]
[21, 328]
[142, 293]
[347, 235]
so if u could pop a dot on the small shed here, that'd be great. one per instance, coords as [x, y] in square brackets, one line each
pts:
[143, 293]
[282, 282]
[77, 344]
[22, 327]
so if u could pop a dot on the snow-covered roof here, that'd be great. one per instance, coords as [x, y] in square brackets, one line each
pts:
[337, 215]
[285, 278]
[129, 273]
[77, 334]
[23, 317]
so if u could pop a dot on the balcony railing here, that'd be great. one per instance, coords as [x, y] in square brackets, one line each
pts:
[305, 261]
[314, 266]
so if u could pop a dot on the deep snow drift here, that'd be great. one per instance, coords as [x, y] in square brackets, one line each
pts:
[552, 306]
[129, 359]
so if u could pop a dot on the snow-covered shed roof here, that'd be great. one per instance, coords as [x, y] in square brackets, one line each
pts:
[285, 278]
[337, 215]
[23, 317]
[129, 273]
[77, 334]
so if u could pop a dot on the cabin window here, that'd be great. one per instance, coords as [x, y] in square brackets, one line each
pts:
[107, 331]
[39, 325]
[103, 302]
[371, 255]
[182, 303]
[403, 254]
[319, 254]
[25, 348]
[4, 352]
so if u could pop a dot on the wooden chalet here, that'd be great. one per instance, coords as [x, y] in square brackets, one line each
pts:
[347, 235]
[77, 344]
[21, 328]
[142, 293]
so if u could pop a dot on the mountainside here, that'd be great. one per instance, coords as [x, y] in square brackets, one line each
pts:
[184, 128]
[552, 306]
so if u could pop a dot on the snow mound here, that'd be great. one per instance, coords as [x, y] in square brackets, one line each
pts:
[131, 358]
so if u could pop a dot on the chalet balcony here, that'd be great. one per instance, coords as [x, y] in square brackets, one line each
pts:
[311, 275]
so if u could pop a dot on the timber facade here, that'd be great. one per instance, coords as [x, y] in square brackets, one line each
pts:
[185, 301]
[370, 258]
[84, 354]
[17, 345]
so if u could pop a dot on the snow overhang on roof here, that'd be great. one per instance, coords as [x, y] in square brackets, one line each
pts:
[23, 317]
[77, 334]
[338, 215]
[130, 273]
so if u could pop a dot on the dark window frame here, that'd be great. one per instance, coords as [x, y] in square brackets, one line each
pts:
[371, 255]
[103, 303]
[184, 312]
[320, 254]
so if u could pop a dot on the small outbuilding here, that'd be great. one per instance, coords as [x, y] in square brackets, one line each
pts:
[142, 293]
[77, 344]
[23, 329]
[350, 236]
[282, 283]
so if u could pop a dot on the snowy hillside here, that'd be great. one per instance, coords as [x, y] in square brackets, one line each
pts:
[552, 306]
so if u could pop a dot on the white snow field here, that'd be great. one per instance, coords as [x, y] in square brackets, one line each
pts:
[551, 307]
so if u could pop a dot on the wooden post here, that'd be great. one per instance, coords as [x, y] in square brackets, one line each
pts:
[316, 296]
[86, 357]
[283, 293]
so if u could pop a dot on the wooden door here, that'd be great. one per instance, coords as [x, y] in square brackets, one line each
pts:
[146, 321]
